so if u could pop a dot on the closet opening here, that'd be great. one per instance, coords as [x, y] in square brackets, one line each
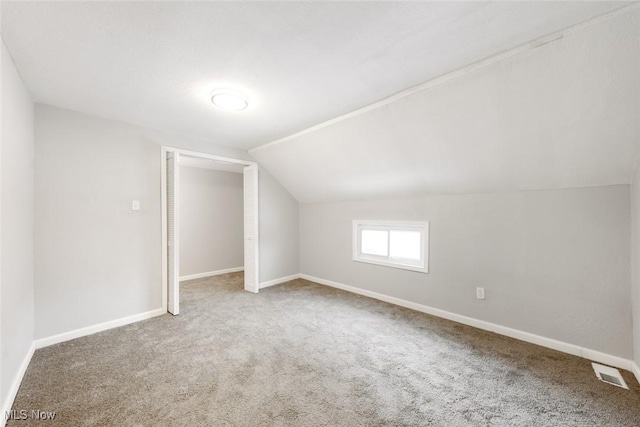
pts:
[210, 220]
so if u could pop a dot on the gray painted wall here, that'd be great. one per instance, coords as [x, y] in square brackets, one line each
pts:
[16, 248]
[635, 264]
[279, 231]
[211, 220]
[96, 259]
[554, 263]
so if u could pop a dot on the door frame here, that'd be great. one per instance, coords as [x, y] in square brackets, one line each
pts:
[163, 174]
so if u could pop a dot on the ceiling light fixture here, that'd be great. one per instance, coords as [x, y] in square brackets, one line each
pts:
[229, 99]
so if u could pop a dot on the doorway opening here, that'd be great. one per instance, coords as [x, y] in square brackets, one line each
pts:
[172, 158]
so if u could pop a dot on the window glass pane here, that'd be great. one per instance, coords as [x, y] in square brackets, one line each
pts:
[374, 242]
[405, 244]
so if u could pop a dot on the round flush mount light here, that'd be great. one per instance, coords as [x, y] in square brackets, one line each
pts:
[229, 99]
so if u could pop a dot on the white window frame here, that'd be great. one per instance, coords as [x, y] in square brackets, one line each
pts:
[421, 266]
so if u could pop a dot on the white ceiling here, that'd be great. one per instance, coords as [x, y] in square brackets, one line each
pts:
[563, 114]
[301, 63]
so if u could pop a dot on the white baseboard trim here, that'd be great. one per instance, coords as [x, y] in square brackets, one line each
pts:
[15, 385]
[564, 347]
[636, 370]
[279, 280]
[66, 336]
[210, 273]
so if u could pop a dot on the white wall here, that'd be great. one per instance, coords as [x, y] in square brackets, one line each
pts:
[635, 264]
[211, 220]
[96, 259]
[16, 249]
[554, 263]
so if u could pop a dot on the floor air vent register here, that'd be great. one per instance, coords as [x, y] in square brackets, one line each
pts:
[609, 375]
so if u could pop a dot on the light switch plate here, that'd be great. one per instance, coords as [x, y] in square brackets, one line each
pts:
[135, 205]
[480, 293]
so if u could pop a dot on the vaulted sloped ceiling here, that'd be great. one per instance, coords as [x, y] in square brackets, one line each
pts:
[155, 63]
[562, 114]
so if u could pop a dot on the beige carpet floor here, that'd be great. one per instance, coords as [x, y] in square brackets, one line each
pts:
[301, 354]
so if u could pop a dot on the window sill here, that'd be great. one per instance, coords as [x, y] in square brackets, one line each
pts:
[409, 267]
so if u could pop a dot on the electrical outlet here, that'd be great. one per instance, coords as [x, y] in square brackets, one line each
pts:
[480, 293]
